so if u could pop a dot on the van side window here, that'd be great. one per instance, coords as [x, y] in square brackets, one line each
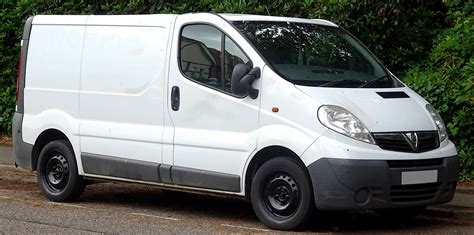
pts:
[200, 54]
[233, 56]
[208, 56]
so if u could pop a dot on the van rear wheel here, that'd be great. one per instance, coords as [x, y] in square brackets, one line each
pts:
[57, 173]
[281, 194]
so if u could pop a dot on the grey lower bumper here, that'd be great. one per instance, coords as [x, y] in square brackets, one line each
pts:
[341, 184]
[22, 150]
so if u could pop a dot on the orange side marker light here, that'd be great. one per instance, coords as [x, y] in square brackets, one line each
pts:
[275, 109]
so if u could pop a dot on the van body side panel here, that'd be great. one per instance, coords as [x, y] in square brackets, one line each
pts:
[121, 98]
[51, 93]
[295, 125]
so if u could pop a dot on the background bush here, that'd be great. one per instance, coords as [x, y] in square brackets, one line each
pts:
[427, 42]
[446, 80]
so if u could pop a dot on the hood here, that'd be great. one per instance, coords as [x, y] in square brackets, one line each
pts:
[391, 113]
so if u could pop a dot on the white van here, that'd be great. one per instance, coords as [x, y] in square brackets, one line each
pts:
[291, 114]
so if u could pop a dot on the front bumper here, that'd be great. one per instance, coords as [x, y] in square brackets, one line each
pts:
[342, 184]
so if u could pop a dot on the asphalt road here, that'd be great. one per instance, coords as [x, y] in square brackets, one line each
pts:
[137, 209]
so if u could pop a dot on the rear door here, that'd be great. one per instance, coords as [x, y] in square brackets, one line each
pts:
[214, 130]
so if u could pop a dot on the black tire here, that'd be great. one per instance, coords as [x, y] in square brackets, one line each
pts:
[57, 173]
[401, 214]
[282, 194]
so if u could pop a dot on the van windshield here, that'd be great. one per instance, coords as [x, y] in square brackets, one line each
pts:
[316, 55]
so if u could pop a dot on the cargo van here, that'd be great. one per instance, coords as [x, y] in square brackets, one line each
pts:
[291, 114]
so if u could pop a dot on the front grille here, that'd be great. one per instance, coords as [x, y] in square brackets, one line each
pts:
[414, 193]
[400, 141]
[415, 163]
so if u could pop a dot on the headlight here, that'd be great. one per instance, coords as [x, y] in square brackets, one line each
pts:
[340, 120]
[443, 134]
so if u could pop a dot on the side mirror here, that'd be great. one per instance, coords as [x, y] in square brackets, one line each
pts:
[240, 70]
[242, 79]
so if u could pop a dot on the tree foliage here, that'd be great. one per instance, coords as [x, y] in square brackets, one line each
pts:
[446, 80]
[400, 32]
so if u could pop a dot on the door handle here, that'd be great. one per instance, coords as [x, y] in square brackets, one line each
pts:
[175, 98]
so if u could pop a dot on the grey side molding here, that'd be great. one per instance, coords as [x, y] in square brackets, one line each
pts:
[120, 167]
[159, 173]
[205, 179]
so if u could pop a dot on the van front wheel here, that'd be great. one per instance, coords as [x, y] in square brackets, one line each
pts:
[57, 173]
[281, 194]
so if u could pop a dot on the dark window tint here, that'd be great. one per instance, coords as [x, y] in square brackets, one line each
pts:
[202, 56]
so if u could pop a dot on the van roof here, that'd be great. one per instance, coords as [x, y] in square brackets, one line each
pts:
[245, 17]
[157, 19]
[115, 20]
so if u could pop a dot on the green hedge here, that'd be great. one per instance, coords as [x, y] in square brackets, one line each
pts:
[400, 32]
[386, 27]
[446, 80]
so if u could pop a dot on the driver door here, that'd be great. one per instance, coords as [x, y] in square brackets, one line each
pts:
[214, 131]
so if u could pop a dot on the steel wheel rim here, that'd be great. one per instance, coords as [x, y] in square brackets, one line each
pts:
[281, 195]
[57, 172]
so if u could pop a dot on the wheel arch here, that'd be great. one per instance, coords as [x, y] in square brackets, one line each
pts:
[261, 157]
[43, 139]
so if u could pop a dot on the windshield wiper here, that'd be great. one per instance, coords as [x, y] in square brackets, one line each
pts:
[328, 71]
[338, 82]
[308, 82]
[373, 81]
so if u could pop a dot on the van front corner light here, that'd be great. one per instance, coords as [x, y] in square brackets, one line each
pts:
[344, 122]
[443, 134]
